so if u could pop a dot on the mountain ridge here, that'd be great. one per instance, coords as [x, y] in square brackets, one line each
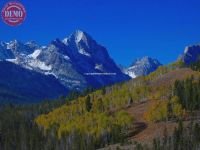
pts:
[142, 67]
[77, 62]
[191, 54]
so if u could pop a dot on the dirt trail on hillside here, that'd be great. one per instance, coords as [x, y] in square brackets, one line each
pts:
[145, 132]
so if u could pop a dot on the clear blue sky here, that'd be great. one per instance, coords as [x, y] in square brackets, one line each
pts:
[128, 28]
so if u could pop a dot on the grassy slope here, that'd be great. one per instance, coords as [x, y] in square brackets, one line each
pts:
[143, 91]
[147, 131]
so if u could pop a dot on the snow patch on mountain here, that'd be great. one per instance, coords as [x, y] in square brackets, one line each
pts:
[83, 52]
[99, 67]
[35, 54]
[40, 65]
[79, 36]
[12, 60]
[65, 40]
[131, 74]
[66, 57]
[51, 73]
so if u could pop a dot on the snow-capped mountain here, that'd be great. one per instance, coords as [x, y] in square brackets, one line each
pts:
[191, 54]
[5, 53]
[77, 61]
[142, 67]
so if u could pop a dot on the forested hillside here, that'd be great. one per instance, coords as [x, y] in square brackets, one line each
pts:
[18, 130]
[102, 117]
[148, 112]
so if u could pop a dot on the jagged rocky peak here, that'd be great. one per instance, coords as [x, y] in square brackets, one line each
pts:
[2, 44]
[191, 54]
[78, 36]
[69, 60]
[189, 49]
[81, 43]
[19, 47]
[57, 42]
[142, 66]
[145, 61]
[80, 40]
[13, 44]
[32, 44]
[5, 53]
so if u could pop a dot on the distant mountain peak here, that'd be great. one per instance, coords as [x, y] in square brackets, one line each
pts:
[56, 41]
[14, 41]
[78, 36]
[14, 44]
[2, 43]
[191, 54]
[145, 60]
[31, 43]
[82, 38]
[82, 43]
[142, 66]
